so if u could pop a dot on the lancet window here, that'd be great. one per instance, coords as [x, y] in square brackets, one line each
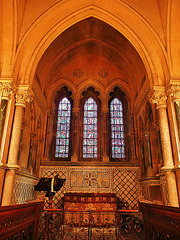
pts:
[63, 129]
[90, 129]
[117, 129]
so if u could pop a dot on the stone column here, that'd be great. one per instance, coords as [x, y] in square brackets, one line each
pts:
[159, 97]
[76, 113]
[104, 120]
[6, 91]
[22, 97]
[174, 97]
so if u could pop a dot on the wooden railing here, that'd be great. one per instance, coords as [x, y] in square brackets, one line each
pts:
[21, 221]
[91, 224]
[160, 222]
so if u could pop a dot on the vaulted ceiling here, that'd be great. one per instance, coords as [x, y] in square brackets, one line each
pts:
[91, 45]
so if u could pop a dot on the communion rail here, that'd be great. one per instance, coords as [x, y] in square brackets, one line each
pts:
[160, 222]
[91, 225]
[21, 221]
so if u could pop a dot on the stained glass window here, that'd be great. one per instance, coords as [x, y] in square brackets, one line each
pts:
[117, 129]
[90, 129]
[63, 129]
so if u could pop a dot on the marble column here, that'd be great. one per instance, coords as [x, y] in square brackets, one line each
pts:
[173, 91]
[159, 97]
[22, 97]
[6, 88]
[3, 108]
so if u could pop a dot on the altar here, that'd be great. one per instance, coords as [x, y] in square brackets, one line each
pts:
[90, 208]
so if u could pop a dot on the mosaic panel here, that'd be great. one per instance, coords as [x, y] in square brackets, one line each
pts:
[90, 179]
[22, 192]
[126, 186]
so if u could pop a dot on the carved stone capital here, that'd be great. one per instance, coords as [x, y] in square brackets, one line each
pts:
[7, 89]
[174, 92]
[159, 97]
[23, 96]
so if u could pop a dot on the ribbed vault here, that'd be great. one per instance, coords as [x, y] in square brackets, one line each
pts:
[91, 41]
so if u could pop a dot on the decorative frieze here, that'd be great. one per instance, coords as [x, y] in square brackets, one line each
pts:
[23, 96]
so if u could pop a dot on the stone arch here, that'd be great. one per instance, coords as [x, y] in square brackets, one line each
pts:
[57, 86]
[90, 83]
[123, 86]
[146, 42]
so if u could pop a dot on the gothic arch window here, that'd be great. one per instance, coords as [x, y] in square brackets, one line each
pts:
[119, 141]
[62, 146]
[90, 149]
[117, 129]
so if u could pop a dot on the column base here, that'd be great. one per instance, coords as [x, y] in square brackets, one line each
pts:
[13, 166]
[167, 168]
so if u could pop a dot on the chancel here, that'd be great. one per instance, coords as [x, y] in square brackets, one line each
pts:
[89, 110]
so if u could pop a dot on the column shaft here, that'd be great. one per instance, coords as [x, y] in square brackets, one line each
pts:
[13, 154]
[168, 158]
[16, 134]
[165, 138]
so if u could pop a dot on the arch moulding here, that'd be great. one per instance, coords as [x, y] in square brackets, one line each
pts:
[38, 38]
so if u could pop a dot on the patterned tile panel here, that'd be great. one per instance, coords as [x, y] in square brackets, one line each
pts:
[90, 180]
[120, 180]
[126, 186]
[22, 192]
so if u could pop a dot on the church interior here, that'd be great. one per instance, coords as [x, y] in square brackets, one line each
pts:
[90, 92]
